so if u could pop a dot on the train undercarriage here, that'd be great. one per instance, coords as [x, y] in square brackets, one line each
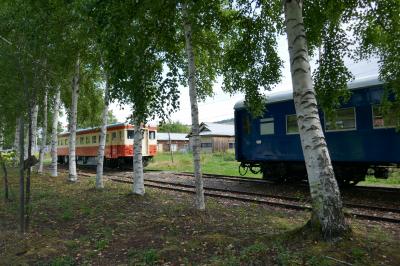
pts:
[347, 174]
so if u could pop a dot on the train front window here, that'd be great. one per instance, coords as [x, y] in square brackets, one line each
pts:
[152, 135]
[267, 126]
[382, 119]
[344, 119]
[291, 124]
[131, 134]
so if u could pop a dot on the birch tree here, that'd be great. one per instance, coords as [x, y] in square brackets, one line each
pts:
[134, 60]
[327, 204]
[73, 177]
[44, 135]
[54, 134]
[200, 204]
[103, 134]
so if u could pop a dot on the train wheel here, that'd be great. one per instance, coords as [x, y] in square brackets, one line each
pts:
[348, 182]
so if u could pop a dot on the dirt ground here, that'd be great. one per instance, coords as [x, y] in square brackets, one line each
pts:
[73, 224]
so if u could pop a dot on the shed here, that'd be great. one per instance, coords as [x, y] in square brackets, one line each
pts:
[215, 137]
[179, 142]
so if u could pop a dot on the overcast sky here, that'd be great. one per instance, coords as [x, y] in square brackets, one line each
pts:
[220, 106]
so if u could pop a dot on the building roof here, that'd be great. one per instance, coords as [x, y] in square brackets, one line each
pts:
[215, 129]
[282, 96]
[174, 136]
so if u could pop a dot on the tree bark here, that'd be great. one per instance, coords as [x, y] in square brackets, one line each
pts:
[327, 205]
[73, 121]
[54, 137]
[33, 133]
[31, 142]
[138, 183]
[44, 135]
[3, 164]
[16, 142]
[21, 176]
[199, 202]
[102, 142]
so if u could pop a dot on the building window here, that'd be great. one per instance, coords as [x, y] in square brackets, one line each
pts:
[131, 134]
[107, 138]
[94, 138]
[87, 140]
[381, 119]
[120, 135]
[66, 141]
[267, 126]
[99, 138]
[291, 124]
[152, 135]
[231, 145]
[82, 140]
[114, 135]
[206, 145]
[345, 119]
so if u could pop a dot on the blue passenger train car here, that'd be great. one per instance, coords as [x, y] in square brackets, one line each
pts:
[360, 138]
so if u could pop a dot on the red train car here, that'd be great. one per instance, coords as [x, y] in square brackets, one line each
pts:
[119, 145]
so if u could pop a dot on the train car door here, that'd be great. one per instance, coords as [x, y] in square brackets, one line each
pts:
[113, 145]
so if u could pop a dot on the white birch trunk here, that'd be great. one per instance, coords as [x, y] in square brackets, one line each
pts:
[44, 135]
[327, 204]
[138, 178]
[73, 177]
[16, 141]
[102, 142]
[54, 137]
[35, 112]
[200, 204]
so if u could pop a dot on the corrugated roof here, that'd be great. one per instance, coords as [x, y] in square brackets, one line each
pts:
[174, 136]
[282, 96]
[216, 129]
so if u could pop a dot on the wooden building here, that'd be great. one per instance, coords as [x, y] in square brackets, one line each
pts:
[216, 137]
[179, 142]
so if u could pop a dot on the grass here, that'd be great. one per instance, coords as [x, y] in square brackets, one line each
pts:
[211, 163]
[73, 224]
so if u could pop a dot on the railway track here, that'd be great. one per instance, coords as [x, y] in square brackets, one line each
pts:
[359, 211]
[260, 181]
[376, 213]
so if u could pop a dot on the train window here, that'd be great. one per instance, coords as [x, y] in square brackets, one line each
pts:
[114, 135]
[291, 124]
[345, 119]
[131, 134]
[267, 126]
[381, 119]
[152, 135]
[87, 140]
[94, 138]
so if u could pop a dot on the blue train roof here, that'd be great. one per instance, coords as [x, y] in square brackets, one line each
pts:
[287, 95]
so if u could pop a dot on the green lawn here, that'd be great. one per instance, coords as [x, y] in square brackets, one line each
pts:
[211, 163]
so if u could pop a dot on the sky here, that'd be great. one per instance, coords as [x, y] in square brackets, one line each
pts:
[220, 105]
